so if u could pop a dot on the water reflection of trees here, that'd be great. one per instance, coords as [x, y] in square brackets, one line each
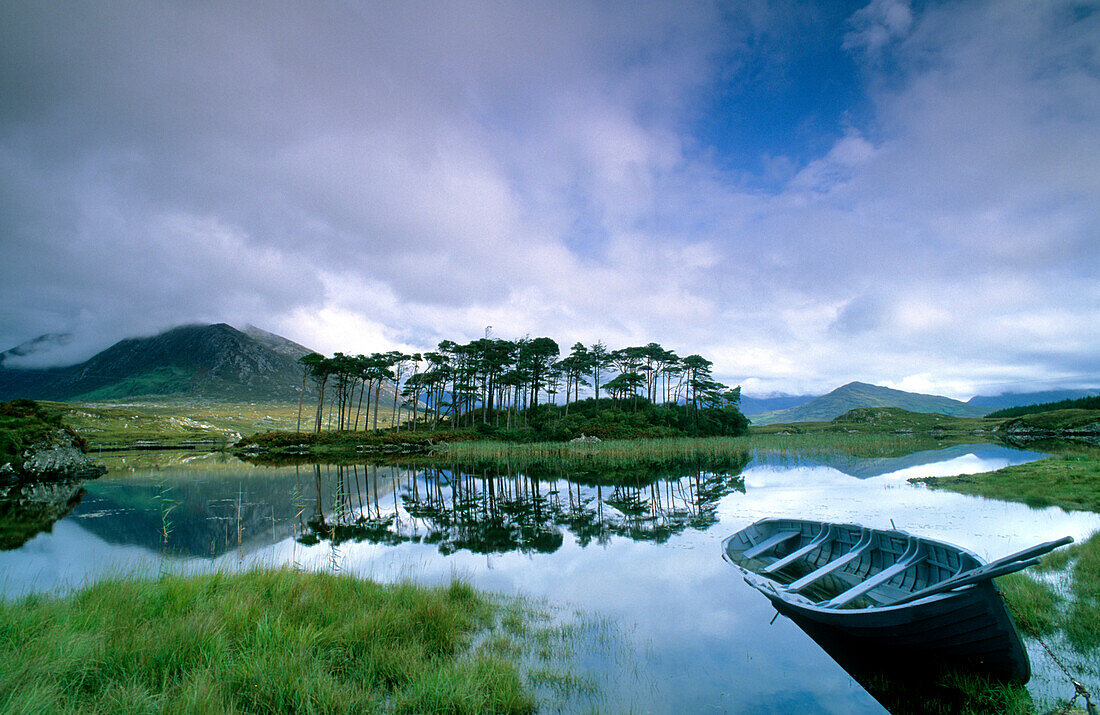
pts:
[495, 510]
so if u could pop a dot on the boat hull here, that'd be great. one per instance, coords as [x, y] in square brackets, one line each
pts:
[969, 630]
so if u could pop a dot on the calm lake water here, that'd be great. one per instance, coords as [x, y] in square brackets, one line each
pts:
[680, 630]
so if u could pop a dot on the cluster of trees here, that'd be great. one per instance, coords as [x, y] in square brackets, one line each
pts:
[1081, 403]
[499, 382]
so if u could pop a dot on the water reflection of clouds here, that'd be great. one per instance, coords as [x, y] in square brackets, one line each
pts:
[990, 527]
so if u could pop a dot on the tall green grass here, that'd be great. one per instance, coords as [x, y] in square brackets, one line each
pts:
[256, 642]
[1083, 620]
[1035, 605]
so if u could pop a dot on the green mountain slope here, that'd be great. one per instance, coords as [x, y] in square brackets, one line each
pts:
[215, 362]
[860, 394]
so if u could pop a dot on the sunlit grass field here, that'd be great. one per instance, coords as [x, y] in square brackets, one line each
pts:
[173, 423]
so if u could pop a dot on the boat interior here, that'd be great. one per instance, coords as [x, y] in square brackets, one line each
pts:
[844, 565]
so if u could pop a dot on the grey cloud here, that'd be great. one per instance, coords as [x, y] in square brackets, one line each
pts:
[527, 166]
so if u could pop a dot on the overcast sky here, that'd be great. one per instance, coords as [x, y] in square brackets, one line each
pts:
[900, 193]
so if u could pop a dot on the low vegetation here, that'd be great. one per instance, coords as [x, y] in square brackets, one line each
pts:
[546, 425]
[1035, 605]
[1069, 478]
[258, 642]
[172, 423]
[893, 421]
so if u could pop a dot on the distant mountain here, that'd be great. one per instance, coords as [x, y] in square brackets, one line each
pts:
[215, 362]
[42, 344]
[759, 405]
[276, 342]
[1019, 399]
[860, 394]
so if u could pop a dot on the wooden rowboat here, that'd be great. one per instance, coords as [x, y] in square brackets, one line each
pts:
[895, 597]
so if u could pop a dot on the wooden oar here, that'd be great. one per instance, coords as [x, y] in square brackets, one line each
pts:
[1006, 565]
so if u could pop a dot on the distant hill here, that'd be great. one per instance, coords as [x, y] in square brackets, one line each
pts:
[860, 394]
[215, 362]
[1020, 399]
[758, 405]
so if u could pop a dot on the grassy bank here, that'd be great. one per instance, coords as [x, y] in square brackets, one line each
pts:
[1069, 478]
[265, 641]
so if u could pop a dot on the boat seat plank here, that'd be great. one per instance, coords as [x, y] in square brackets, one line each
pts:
[855, 552]
[881, 577]
[825, 535]
[769, 543]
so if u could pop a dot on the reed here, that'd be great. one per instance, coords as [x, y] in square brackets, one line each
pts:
[1070, 479]
[861, 444]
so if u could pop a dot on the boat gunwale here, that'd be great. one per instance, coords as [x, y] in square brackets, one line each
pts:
[769, 586]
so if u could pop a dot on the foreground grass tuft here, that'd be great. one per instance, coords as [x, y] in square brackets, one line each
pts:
[264, 641]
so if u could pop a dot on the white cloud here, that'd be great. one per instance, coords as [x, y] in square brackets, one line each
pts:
[878, 24]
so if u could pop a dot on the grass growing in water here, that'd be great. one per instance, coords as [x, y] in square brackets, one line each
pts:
[1034, 604]
[264, 641]
[856, 445]
[951, 693]
[1082, 620]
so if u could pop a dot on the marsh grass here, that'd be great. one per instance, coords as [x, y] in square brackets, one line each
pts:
[1035, 605]
[262, 641]
[863, 444]
[1069, 479]
[571, 661]
[1083, 622]
[950, 693]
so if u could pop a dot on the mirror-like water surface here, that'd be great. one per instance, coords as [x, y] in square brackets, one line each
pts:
[647, 555]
